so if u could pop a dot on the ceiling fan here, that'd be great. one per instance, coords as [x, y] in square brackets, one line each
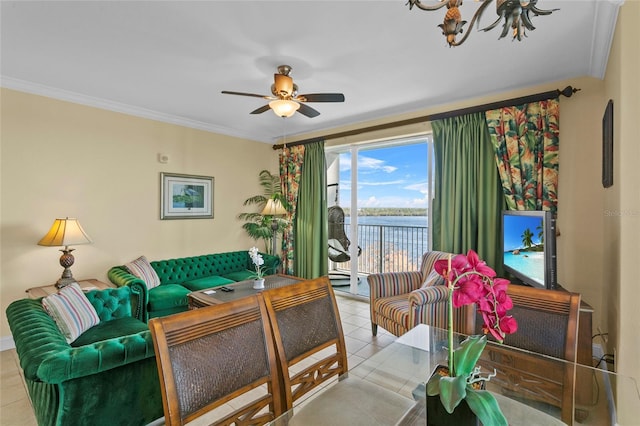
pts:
[285, 100]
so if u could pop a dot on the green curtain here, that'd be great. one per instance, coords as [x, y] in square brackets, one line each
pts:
[467, 201]
[311, 246]
[526, 142]
[290, 174]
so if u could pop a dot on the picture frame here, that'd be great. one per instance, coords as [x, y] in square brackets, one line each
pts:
[607, 145]
[186, 196]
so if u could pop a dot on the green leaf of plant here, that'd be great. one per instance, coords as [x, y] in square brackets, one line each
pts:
[258, 226]
[467, 354]
[484, 405]
[452, 391]
[433, 385]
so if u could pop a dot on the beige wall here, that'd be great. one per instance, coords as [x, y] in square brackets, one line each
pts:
[62, 159]
[622, 203]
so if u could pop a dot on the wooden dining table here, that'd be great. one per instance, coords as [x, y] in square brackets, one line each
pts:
[406, 364]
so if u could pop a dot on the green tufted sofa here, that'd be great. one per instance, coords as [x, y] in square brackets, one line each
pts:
[181, 276]
[108, 376]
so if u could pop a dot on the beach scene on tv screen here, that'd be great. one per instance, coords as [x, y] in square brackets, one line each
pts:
[524, 246]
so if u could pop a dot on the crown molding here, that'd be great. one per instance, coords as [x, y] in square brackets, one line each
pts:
[78, 98]
[605, 18]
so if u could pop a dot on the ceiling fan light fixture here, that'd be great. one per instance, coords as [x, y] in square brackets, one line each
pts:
[284, 108]
[286, 101]
[282, 86]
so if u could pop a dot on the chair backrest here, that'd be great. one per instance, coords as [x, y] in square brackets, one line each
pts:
[305, 321]
[212, 355]
[548, 325]
[429, 259]
[547, 321]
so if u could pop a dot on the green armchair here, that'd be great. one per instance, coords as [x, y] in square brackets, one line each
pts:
[108, 376]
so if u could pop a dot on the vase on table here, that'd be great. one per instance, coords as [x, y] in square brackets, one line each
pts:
[437, 415]
[258, 284]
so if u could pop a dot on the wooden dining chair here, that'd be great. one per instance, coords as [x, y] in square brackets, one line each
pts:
[312, 355]
[210, 356]
[548, 326]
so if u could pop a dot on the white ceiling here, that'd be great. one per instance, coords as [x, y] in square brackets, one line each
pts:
[169, 60]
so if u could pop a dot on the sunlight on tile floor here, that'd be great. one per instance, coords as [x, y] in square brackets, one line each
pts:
[15, 407]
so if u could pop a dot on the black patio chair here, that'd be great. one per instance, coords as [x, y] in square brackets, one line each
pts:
[338, 242]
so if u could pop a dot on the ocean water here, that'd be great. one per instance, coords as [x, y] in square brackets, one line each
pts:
[400, 240]
[390, 220]
[529, 263]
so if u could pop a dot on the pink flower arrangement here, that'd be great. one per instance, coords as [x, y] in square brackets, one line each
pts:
[471, 281]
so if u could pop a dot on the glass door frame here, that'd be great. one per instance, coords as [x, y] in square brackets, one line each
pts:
[354, 150]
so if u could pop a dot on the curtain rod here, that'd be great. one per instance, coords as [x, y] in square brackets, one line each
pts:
[567, 91]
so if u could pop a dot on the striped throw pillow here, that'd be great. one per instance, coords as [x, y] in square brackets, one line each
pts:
[71, 310]
[142, 269]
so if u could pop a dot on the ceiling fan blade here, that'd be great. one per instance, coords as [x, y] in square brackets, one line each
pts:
[226, 92]
[308, 111]
[321, 97]
[261, 109]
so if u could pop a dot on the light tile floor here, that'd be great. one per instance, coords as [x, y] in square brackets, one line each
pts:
[15, 407]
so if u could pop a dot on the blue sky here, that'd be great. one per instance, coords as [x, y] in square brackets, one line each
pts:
[387, 177]
[514, 227]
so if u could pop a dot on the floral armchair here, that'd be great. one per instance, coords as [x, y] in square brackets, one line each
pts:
[401, 300]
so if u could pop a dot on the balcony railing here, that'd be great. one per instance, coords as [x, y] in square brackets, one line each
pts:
[388, 248]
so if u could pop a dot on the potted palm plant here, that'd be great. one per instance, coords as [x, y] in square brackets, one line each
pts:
[258, 226]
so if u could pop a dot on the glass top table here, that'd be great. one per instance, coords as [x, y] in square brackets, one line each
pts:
[405, 365]
[215, 295]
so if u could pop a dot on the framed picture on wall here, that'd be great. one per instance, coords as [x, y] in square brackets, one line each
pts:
[607, 145]
[186, 196]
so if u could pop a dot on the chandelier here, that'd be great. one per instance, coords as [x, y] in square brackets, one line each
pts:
[515, 14]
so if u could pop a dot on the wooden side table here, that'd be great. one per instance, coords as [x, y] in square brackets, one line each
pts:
[85, 285]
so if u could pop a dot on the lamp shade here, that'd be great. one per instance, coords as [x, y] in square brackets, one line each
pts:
[273, 208]
[284, 108]
[65, 232]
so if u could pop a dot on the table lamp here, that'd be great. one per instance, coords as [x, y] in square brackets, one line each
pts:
[273, 208]
[65, 232]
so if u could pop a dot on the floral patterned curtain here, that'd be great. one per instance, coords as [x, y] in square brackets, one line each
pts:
[291, 160]
[525, 140]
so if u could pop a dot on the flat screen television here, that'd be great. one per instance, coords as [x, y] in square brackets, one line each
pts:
[529, 247]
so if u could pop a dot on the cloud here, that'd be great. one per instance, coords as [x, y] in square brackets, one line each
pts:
[379, 183]
[393, 201]
[421, 187]
[365, 164]
[368, 163]
[369, 202]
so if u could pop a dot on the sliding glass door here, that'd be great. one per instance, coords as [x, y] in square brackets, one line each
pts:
[384, 190]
